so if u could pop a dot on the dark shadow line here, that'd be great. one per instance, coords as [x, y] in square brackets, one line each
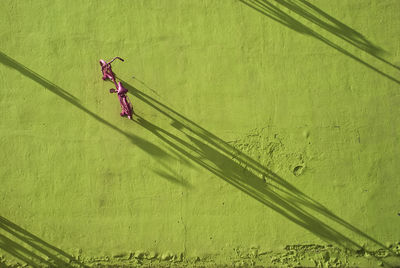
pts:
[4, 59]
[339, 29]
[364, 44]
[23, 253]
[14, 249]
[33, 241]
[144, 145]
[251, 163]
[253, 186]
[295, 194]
[293, 24]
[209, 137]
[234, 153]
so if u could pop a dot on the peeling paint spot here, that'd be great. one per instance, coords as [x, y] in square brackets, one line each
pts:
[298, 170]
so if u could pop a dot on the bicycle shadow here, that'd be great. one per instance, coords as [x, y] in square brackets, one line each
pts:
[233, 166]
[41, 254]
[210, 152]
[146, 146]
[329, 23]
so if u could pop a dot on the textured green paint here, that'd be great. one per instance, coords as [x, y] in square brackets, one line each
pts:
[260, 125]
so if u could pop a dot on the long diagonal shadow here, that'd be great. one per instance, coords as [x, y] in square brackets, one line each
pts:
[43, 254]
[141, 143]
[243, 172]
[329, 23]
[220, 158]
[271, 11]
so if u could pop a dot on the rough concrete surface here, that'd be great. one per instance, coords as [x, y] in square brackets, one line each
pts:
[266, 133]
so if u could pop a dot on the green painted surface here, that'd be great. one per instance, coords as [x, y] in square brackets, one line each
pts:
[260, 124]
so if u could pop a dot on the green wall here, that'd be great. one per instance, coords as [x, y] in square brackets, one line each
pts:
[259, 124]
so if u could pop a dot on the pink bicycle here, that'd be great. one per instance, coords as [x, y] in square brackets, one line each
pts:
[126, 105]
[107, 71]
